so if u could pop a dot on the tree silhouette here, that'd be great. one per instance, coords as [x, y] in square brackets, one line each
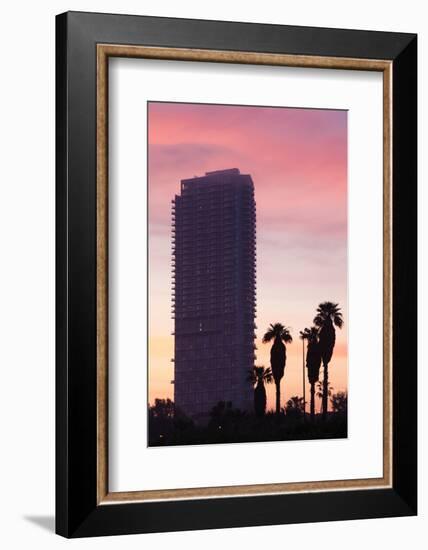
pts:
[328, 316]
[161, 420]
[295, 407]
[223, 415]
[313, 362]
[258, 376]
[339, 402]
[278, 355]
[163, 408]
[303, 337]
[320, 393]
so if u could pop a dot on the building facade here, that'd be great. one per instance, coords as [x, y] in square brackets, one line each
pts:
[214, 291]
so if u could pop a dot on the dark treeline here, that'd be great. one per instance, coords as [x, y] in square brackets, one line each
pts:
[226, 424]
[229, 425]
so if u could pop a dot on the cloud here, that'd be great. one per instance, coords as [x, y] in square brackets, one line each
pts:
[298, 161]
[179, 157]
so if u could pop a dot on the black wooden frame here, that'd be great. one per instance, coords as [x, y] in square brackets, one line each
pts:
[77, 513]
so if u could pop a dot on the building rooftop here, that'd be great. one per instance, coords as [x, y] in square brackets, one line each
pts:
[229, 171]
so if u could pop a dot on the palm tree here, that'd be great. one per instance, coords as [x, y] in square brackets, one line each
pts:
[278, 355]
[328, 316]
[303, 337]
[320, 393]
[258, 376]
[313, 361]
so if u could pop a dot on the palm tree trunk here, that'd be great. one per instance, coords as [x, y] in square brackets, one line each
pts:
[304, 385]
[312, 401]
[260, 399]
[278, 398]
[325, 392]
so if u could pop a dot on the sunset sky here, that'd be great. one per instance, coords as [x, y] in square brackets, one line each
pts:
[298, 161]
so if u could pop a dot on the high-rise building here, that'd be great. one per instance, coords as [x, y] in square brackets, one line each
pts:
[214, 291]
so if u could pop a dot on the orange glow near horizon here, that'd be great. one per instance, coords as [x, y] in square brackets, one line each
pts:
[298, 161]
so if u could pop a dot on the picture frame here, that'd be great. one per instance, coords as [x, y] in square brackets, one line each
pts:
[84, 44]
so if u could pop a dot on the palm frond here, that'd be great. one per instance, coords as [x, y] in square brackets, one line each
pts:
[274, 330]
[286, 336]
[268, 336]
[268, 376]
[260, 374]
[318, 321]
[304, 334]
[338, 320]
[251, 376]
[328, 312]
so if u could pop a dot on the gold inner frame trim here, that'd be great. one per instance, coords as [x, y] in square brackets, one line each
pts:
[104, 51]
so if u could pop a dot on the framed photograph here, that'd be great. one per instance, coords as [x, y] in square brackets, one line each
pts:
[236, 274]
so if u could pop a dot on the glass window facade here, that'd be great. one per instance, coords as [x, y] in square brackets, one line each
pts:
[214, 291]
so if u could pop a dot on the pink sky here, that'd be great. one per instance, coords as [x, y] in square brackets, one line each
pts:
[298, 161]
